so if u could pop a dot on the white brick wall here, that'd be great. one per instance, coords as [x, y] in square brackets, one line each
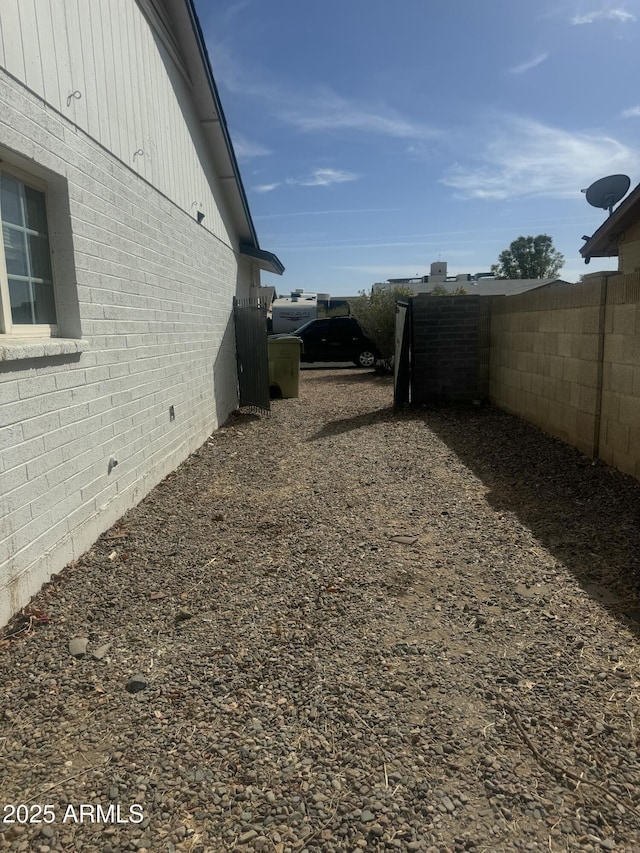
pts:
[152, 294]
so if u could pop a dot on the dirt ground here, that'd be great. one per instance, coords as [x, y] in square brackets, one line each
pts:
[337, 629]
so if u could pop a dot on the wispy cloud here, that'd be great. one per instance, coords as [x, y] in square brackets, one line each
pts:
[323, 178]
[610, 14]
[527, 66]
[246, 149]
[321, 109]
[632, 112]
[327, 111]
[266, 188]
[332, 212]
[317, 178]
[527, 158]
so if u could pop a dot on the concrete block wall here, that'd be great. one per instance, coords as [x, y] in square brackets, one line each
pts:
[449, 347]
[620, 418]
[545, 361]
[149, 296]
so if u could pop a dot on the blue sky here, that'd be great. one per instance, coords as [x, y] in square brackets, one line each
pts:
[375, 137]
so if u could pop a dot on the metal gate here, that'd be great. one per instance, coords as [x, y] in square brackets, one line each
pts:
[402, 355]
[252, 353]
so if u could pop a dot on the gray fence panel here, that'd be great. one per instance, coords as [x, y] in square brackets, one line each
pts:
[252, 353]
[450, 348]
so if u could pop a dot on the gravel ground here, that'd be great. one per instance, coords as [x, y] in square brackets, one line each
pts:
[340, 629]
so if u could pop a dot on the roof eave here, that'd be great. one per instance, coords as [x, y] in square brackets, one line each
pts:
[604, 243]
[264, 260]
[214, 125]
[220, 127]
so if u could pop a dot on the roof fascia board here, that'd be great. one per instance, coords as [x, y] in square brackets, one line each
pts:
[221, 126]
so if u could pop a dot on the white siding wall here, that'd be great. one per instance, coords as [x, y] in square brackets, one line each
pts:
[153, 289]
[132, 96]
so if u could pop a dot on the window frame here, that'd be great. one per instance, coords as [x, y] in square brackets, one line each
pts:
[9, 329]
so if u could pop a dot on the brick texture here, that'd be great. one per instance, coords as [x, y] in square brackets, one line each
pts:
[150, 292]
[583, 385]
[557, 388]
[450, 348]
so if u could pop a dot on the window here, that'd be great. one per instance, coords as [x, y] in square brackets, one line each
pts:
[27, 302]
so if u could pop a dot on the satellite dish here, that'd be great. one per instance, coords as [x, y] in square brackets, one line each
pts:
[608, 191]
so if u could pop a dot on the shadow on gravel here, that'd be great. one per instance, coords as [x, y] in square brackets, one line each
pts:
[241, 418]
[353, 375]
[342, 425]
[587, 515]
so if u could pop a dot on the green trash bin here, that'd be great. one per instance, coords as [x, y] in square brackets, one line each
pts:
[284, 366]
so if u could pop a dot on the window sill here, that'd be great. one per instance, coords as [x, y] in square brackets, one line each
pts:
[14, 348]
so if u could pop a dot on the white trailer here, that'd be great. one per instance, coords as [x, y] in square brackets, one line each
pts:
[290, 312]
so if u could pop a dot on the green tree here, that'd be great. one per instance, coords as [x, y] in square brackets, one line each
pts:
[529, 257]
[376, 313]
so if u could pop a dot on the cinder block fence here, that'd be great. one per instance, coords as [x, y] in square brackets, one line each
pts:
[565, 357]
[568, 359]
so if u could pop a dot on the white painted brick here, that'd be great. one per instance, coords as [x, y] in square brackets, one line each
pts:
[41, 387]
[35, 548]
[40, 425]
[18, 452]
[8, 391]
[24, 409]
[73, 414]
[70, 379]
[67, 436]
[41, 464]
[12, 478]
[155, 325]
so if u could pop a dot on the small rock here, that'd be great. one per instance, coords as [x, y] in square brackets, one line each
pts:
[405, 540]
[247, 836]
[136, 683]
[101, 651]
[366, 816]
[446, 802]
[78, 647]
[182, 616]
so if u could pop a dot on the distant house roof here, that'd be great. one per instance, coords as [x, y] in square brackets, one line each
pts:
[497, 286]
[604, 243]
[184, 27]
